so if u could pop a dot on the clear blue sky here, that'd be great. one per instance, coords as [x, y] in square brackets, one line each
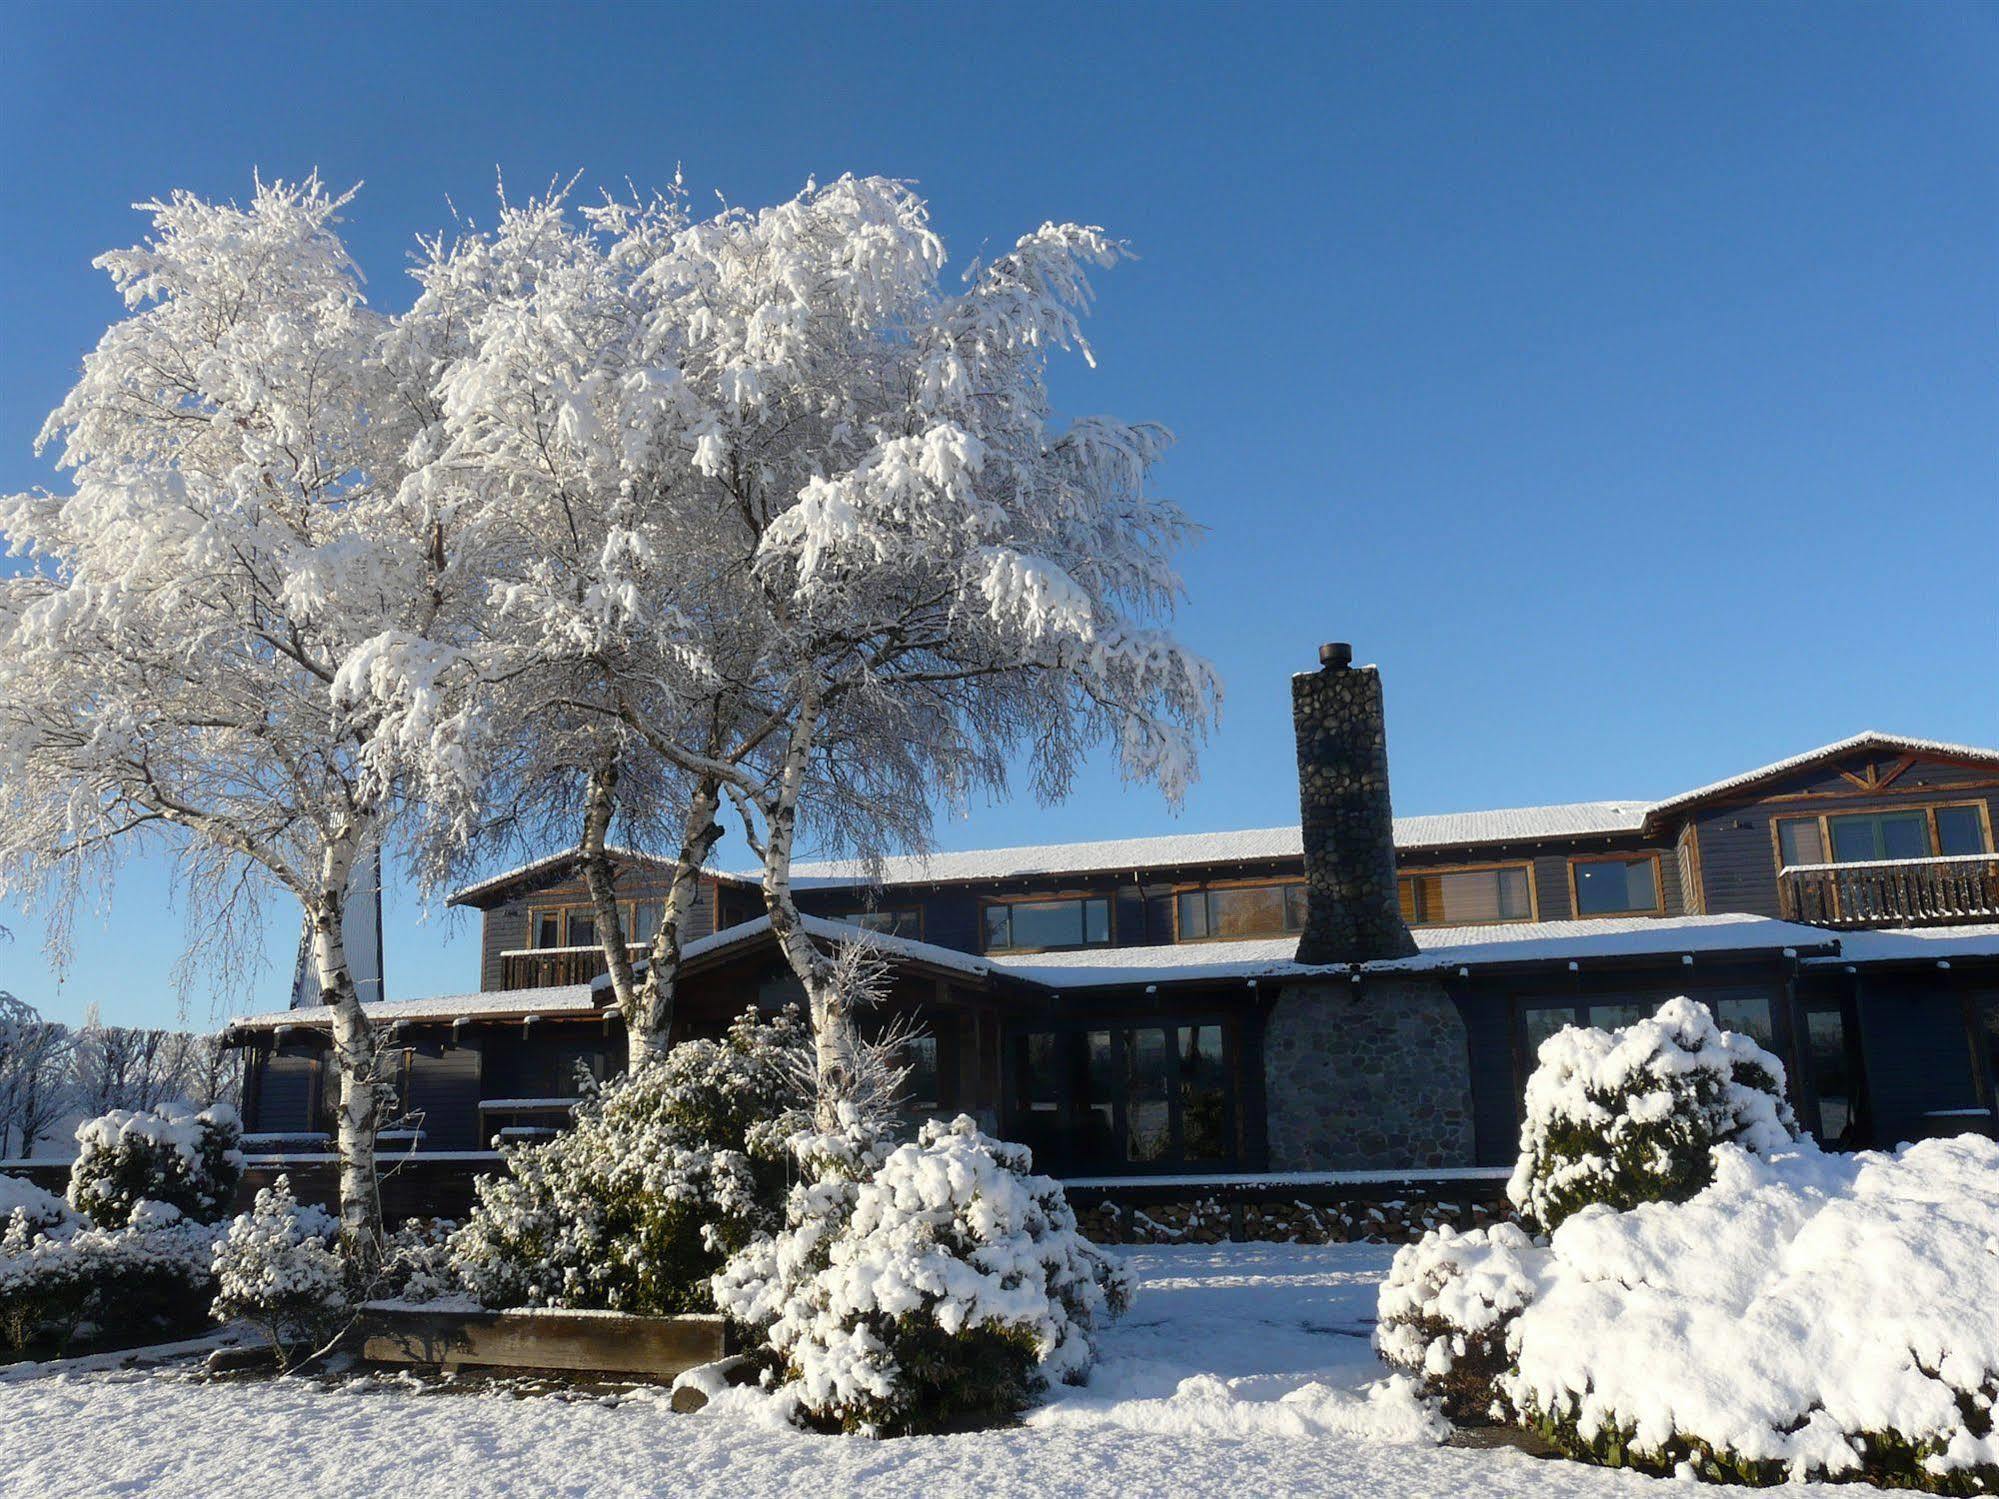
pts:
[1621, 378]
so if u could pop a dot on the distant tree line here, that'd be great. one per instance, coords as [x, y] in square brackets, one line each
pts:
[50, 1072]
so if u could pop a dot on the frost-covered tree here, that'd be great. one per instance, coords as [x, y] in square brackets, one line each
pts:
[806, 528]
[238, 614]
[34, 1075]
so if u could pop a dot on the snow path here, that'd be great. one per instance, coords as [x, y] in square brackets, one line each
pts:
[1238, 1372]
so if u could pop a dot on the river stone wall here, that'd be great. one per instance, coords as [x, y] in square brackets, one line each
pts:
[1367, 1078]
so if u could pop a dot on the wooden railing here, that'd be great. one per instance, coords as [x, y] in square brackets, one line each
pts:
[1891, 892]
[541, 967]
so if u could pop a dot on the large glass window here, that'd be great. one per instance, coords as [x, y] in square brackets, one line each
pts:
[1241, 911]
[1960, 830]
[1879, 835]
[896, 921]
[1128, 1096]
[1833, 1078]
[1616, 887]
[576, 925]
[1466, 897]
[1799, 841]
[1084, 921]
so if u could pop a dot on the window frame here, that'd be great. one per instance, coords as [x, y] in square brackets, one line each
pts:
[1658, 906]
[987, 902]
[1928, 809]
[915, 911]
[1527, 865]
[1202, 887]
[628, 917]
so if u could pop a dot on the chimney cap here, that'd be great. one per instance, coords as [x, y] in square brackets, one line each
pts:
[1335, 655]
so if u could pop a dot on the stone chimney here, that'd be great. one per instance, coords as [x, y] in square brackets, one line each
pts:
[1352, 914]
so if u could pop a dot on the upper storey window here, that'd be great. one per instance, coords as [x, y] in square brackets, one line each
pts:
[576, 925]
[1467, 897]
[1859, 837]
[891, 921]
[1239, 911]
[1622, 886]
[1036, 925]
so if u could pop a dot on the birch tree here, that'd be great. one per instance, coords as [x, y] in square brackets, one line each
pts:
[235, 619]
[813, 535]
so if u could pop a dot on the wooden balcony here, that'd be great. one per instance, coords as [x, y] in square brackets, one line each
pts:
[1892, 892]
[543, 967]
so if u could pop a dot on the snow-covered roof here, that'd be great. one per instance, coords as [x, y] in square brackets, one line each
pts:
[1245, 845]
[1438, 948]
[1916, 944]
[1867, 739]
[491, 1004]
[826, 929]
[470, 895]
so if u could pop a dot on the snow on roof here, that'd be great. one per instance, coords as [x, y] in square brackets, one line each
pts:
[1920, 944]
[1439, 830]
[489, 1004]
[1439, 948]
[1866, 739]
[833, 931]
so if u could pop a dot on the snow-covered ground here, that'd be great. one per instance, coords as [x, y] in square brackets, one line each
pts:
[1241, 1370]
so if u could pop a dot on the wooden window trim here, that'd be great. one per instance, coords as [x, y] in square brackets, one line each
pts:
[1658, 907]
[1824, 821]
[1533, 888]
[1206, 885]
[1109, 900]
[628, 914]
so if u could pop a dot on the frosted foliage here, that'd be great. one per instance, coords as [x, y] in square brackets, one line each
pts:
[1807, 1315]
[1444, 1310]
[58, 1271]
[665, 1172]
[168, 1154]
[1629, 1116]
[953, 1284]
[279, 1267]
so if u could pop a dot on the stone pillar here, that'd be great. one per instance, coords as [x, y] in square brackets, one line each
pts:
[1352, 915]
[1373, 1081]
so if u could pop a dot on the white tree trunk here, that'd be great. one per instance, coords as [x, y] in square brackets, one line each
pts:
[599, 803]
[355, 1052]
[649, 1016]
[835, 1040]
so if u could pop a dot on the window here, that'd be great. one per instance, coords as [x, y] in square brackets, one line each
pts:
[547, 928]
[1960, 830]
[582, 927]
[1908, 833]
[1240, 911]
[920, 1088]
[1132, 1095]
[1833, 1078]
[645, 921]
[1083, 921]
[576, 925]
[1466, 897]
[1616, 887]
[900, 921]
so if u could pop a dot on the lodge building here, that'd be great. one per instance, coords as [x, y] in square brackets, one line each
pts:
[1359, 993]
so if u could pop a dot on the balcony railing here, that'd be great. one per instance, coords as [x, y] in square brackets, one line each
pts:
[1892, 892]
[541, 967]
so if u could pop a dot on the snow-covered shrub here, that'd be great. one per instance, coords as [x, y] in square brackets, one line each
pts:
[666, 1172]
[950, 1289]
[279, 1268]
[37, 1210]
[1633, 1115]
[1808, 1315]
[147, 1275]
[167, 1154]
[417, 1263]
[1444, 1310]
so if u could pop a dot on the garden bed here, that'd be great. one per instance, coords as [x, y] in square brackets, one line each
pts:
[615, 1343]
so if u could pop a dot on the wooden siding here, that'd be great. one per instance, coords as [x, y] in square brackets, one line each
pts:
[1918, 1057]
[443, 1086]
[1737, 850]
[504, 928]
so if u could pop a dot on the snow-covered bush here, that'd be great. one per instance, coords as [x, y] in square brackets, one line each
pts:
[148, 1274]
[168, 1154]
[37, 1210]
[417, 1263]
[279, 1268]
[1444, 1310]
[1633, 1115]
[1809, 1315]
[950, 1289]
[666, 1172]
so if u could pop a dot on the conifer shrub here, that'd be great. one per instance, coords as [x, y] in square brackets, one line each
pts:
[1633, 1115]
[169, 1154]
[1444, 1310]
[279, 1267]
[665, 1172]
[146, 1278]
[934, 1286]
